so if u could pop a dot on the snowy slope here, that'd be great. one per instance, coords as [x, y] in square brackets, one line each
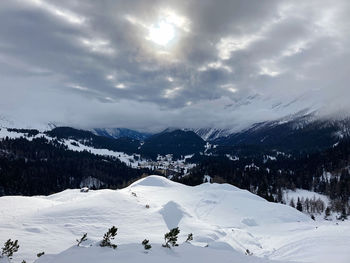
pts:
[74, 146]
[210, 134]
[225, 218]
[288, 195]
[300, 131]
[7, 121]
[135, 253]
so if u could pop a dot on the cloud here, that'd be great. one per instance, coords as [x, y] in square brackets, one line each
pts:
[226, 64]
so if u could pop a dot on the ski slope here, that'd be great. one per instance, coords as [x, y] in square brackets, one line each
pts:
[225, 222]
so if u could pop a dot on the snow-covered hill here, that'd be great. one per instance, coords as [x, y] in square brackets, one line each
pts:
[135, 253]
[71, 144]
[226, 219]
[12, 122]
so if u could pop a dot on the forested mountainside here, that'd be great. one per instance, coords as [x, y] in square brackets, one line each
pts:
[303, 134]
[177, 142]
[117, 133]
[123, 144]
[326, 172]
[44, 158]
[41, 166]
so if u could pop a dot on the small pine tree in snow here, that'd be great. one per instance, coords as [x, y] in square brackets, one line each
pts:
[343, 215]
[9, 248]
[327, 213]
[248, 253]
[82, 239]
[189, 237]
[313, 217]
[292, 203]
[146, 244]
[40, 254]
[299, 205]
[171, 238]
[110, 235]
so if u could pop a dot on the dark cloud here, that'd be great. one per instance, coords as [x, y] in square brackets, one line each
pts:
[231, 63]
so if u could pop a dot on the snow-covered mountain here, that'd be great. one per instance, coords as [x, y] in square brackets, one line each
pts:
[300, 124]
[117, 133]
[304, 131]
[225, 222]
[307, 132]
[298, 121]
[11, 122]
[210, 134]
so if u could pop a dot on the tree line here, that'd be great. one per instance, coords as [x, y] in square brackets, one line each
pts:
[326, 172]
[41, 167]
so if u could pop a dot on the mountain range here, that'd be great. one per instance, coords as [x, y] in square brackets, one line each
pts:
[301, 145]
[299, 132]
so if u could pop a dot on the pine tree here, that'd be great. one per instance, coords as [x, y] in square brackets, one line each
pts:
[9, 248]
[40, 254]
[82, 239]
[146, 244]
[292, 203]
[170, 238]
[189, 237]
[343, 215]
[327, 213]
[299, 205]
[110, 235]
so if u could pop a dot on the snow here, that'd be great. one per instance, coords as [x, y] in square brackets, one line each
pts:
[7, 121]
[207, 178]
[232, 158]
[13, 135]
[123, 157]
[172, 214]
[135, 253]
[91, 182]
[252, 166]
[225, 222]
[269, 158]
[301, 193]
[210, 134]
[154, 181]
[73, 145]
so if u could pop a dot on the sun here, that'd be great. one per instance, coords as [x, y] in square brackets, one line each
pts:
[162, 33]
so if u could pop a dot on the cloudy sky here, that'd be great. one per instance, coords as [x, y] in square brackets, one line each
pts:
[154, 64]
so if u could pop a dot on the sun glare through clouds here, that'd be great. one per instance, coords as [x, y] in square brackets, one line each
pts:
[167, 28]
[161, 33]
